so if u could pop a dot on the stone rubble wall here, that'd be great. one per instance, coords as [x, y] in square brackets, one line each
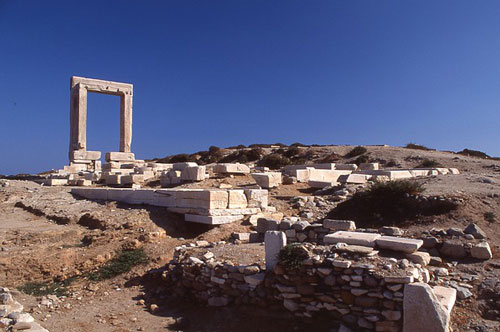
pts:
[12, 316]
[361, 294]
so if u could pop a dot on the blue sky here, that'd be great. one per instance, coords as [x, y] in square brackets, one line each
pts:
[240, 72]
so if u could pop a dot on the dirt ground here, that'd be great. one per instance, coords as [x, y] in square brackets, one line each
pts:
[48, 235]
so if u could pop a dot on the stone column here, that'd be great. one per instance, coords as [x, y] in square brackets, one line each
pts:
[125, 122]
[273, 242]
[78, 118]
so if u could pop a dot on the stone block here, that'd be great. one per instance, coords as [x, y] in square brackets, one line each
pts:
[339, 225]
[193, 173]
[481, 251]
[181, 166]
[399, 244]
[212, 220]
[91, 193]
[446, 296]
[202, 198]
[452, 248]
[170, 178]
[119, 156]
[165, 198]
[303, 175]
[267, 180]
[419, 257]
[355, 238]
[419, 172]
[83, 183]
[55, 182]
[123, 195]
[422, 311]
[368, 166]
[321, 184]
[132, 178]
[325, 175]
[274, 241]
[265, 215]
[232, 168]
[346, 167]
[266, 224]
[237, 199]
[84, 155]
[355, 178]
[257, 197]
[114, 179]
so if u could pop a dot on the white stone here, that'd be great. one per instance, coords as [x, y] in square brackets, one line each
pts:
[274, 241]
[193, 173]
[56, 182]
[237, 199]
[399, 244]
[119, 156]
[481, 251]
[181, 166]
[267, 180]
[355, 238]
[339, 225]
[419, 257]
[257, 197]
[422, 311]
[231, 168]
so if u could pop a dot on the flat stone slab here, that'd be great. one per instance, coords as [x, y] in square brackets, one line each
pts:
[399, 244]
[354, 238]
[368, 251]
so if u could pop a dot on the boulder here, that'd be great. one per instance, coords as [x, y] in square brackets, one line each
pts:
[453, 249]
[419, 257]
[474, 229]
[339, 225]
[422, 310]
[481, 251]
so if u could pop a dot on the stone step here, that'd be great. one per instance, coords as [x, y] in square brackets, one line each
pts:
[399, 244]
[354, 238]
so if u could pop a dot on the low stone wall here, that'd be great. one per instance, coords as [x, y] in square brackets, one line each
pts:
[366, 292]
[217, 206]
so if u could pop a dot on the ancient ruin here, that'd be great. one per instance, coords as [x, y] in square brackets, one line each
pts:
[298, 243]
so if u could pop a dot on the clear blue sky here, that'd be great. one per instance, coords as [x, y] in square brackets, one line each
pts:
[247, 71]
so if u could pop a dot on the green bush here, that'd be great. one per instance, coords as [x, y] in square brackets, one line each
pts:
[292, 255]
[394, 189]
[429, 163]
[274, 161]
[213, 149]
[474, 153]
[417, 147]
[391, 163]
[389, 203]
[124, 262]
[361, 160]
[46, 288]
[292, 152]
[489, 216]
[356, 152]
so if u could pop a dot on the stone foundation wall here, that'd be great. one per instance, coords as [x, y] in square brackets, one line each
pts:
[366, 293]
